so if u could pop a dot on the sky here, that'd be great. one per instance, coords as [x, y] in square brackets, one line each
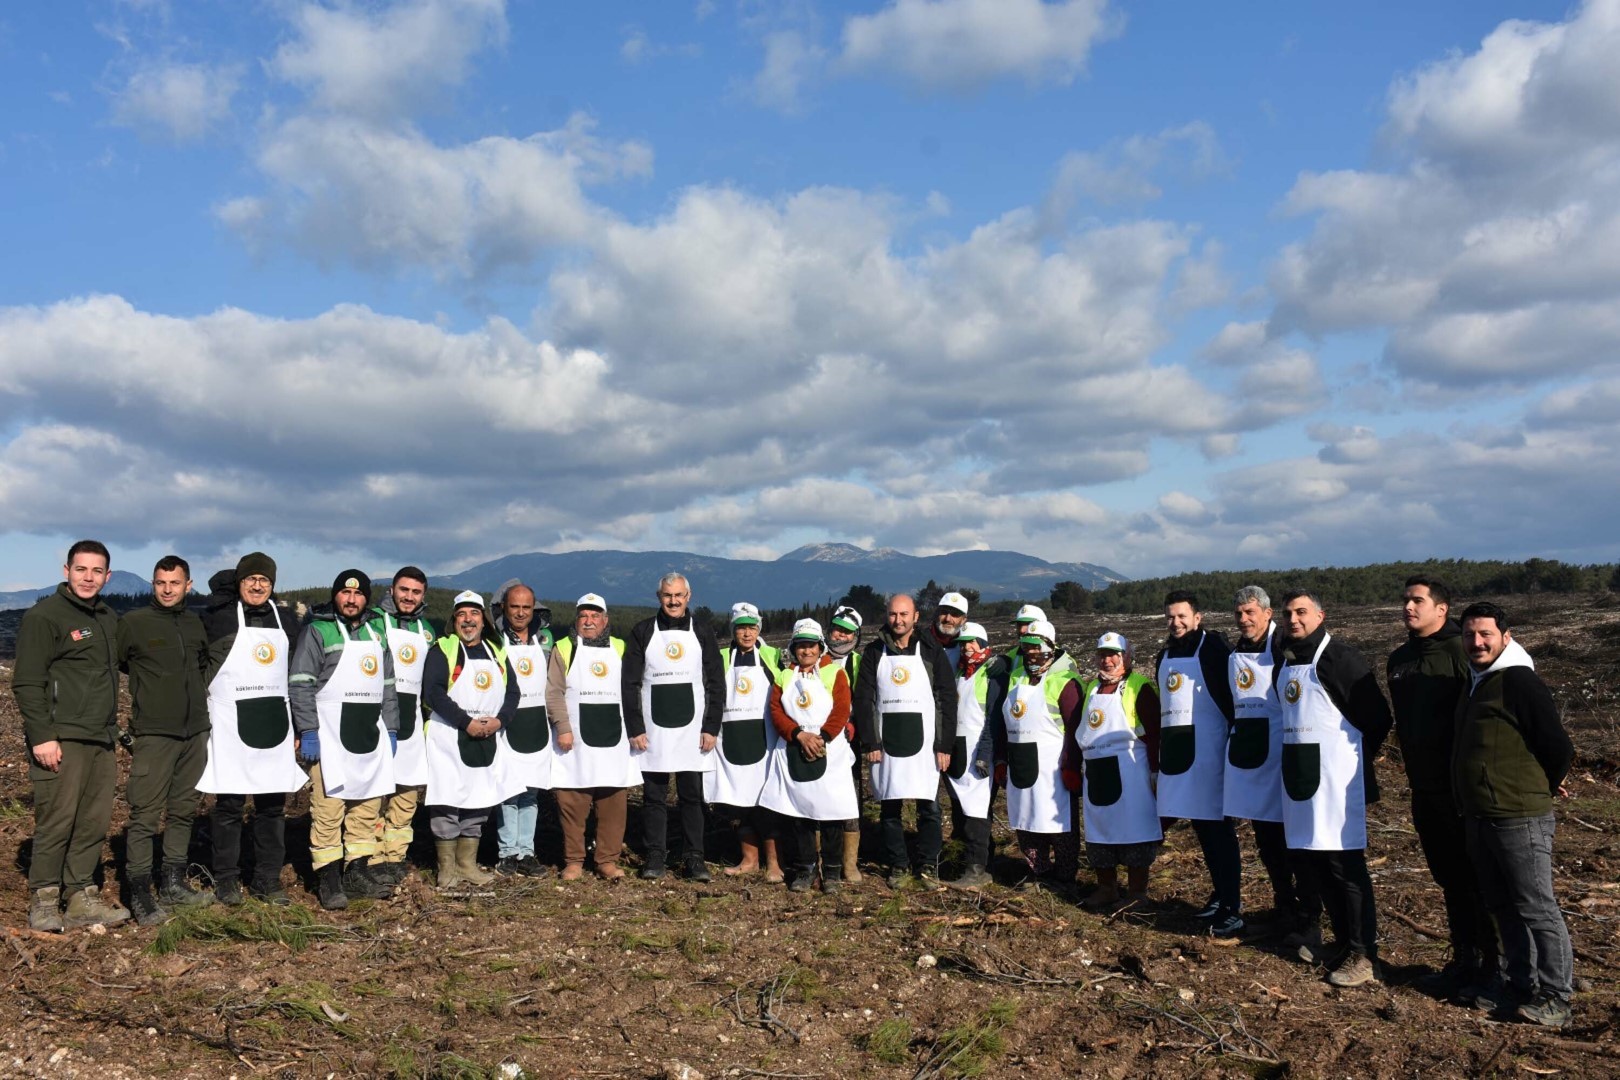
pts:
[1155, 286]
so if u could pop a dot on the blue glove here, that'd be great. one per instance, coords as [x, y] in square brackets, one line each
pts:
[393, 742]
[309, 746]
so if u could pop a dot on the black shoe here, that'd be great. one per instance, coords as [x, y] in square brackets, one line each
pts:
[359, 882]
[268, 889]
[529, 866]
[329, 887]
[176, 891]
[228, 891]
[1451, 980]
[143, 904]
[389, 873]
[833, 883]
[974, 877]
[1212, 907]
[697, 870]
[802, 880]
[653, 869]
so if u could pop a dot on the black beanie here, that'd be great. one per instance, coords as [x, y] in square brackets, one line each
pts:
[352, 579]
[256, 562]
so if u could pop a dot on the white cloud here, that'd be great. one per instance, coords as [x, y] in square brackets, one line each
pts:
[179, 102]
[791, 60]
[1126, 170]
[962, 44]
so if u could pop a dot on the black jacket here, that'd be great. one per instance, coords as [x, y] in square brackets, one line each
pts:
[1353, 689]
[164, 651]
[1428, 676]
[219, 619]
[634, 670]
[865, 704]
[436, 685]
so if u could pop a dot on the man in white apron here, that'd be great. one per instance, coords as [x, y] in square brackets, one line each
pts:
[981, 683]
[674, 690]
[398, 619]
[1034, 755]
[341, 687]
[843, 648]
[592, 766]
[528, 737]
[1253, 785]
[950, 616]
[1195, 697]
[1335, 720]
[471, 693]
[905, 712]
[809, 781]
[1116, 735]
[250, 739]
[732, 787]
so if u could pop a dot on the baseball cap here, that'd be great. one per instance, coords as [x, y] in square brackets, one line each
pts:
[1113, 642]
[1029, 613]
[1039, 632]
[847, 618]
[807, 630]
[973, 632]
[744, 614]
[954, 600]
[468, 598]
[592, 600]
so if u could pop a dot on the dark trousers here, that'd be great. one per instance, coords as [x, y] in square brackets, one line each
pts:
[1340, 883]
[655, 812]
[1222, 859]
[1445, 846]
[1513, 858]
[1271, 843]
[163, 775]
[930, 836]
[832, 847]
[72, 810]
[973, 832]
[269, 835]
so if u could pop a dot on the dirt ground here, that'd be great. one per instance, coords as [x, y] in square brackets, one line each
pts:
[742, 979]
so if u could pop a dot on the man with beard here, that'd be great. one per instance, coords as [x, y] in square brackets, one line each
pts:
[843, 648]
[400, 623]
[592, 767]
[950, 615]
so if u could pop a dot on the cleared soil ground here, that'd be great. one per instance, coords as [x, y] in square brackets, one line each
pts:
[742, 979]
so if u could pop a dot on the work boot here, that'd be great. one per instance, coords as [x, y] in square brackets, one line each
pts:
[449, 875]
[329, 887]
[228, 891]
[360, 883]
[467, 862]
[45, 910]
[143, 903]
[974, 877]
[653, 868]
[87, 908]
[697, 870]
[389, 873]
[176, 891]
[1547, 1009]
[1353, 970]
[610, 871]
[832, 880]
[803, 879]
[267, 887]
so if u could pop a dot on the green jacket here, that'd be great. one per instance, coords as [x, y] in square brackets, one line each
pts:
[165, 653]
[66, 676]
[315, 659]
[1511, 750]
[1427, 677]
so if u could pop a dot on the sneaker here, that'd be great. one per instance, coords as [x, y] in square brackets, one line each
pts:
[1353, 970]
[45, 910]
[228, 891]
[1228, 924]
[143, 903]
[87, 908]
[1305, 936]
[529, 866]
[697, 870]
[1212, 907]
[1546, 1009]
[974, 877]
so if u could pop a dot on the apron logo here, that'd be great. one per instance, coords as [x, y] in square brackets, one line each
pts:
[599, 669]
[900, 676]
[1018, 709]
[264, 653]
[1095, 719]
[1292, 693]
[804, 698]
[524, 666]
[1245, 678]
[368, 665]
[482, 680]
[407, 654]
[743, 685]
[674, 651]
[1173, 683]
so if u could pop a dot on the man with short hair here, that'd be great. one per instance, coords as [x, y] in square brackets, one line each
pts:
[1196, 719]
[674, 694]
[1335, 720]
[1429, 675]
[399, 620]
[1508, 761]
[843, 648]
[528, 737]
[950, 615]
[163, 649]
[66, 683]
[905, 712]
[592, 766]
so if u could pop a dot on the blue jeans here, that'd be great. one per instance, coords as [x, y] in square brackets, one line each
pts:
[519, 817]
[1513, 860]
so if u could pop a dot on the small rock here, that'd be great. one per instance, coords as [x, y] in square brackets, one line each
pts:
[926, 960]
[97, 929]
[1185, 995]
[676, 1070]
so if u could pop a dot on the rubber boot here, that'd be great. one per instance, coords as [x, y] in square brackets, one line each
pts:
[87, 908]
[359, 882]
[449, 875]
[750, 856]
[175, 891]
[773, 865]
[852, 858]
[45, 910]
[143, 903]
[467, 862]
[329, 887]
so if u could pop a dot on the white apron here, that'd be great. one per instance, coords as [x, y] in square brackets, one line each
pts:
[526, 741]
[601, 753]
[409, 649]
[1119, 805]
[746, 735]
[1192, 743]
[465, 772]
[355, 759]
[672, 704]
[906, 721]
[820, 790]
[250, 742]
[972, 790]
[1036, 799]
[1325, 800]
[1254, 753]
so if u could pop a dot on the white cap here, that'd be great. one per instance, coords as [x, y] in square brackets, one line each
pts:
[849, 619]
[744, 614]
[1029, 613]
[467, 598]
[807, 630]
[1037, 632]
[973, 632]
[1113, 642]
[954, 600]
[590, 599]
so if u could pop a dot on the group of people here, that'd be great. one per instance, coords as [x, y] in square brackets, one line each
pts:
[380, 714]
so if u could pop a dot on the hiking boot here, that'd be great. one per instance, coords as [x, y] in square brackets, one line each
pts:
[974, 877]
[1353, 970]
[143, 903]
[1546, 1009]
[389, 873]
[1450, 981]
[360, 883]
[175, 890]
[329, 887]
[653, 868]
[899, 877]
[467, 862]
[831, 881]
[449, 875]
[87, 908]
[45, 910]
[228, 891]
[267, 887]
[697, 870]
[1228, 924]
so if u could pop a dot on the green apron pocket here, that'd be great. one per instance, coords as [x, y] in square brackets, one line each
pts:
[1023, 764]
[959, 758]
[1104, 787]
[1177, 748]
[1250, 743]
[528, 733]
[743, 741]
[358, 727]
[1301, 770]
[902, 733]
[410, 716]
[262, 722]
[475, 753]
[600, 725]
[673, 704]
[802, 770]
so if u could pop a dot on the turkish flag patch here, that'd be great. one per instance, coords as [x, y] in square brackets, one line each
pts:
[83, 634]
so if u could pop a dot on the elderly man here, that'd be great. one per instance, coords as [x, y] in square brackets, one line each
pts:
[1509, 760]
[399, 621]
[905, 713]
[66, 683]
[1335, 720]
[591, 771]
[734, 784]
[843, 648]
[674, 696]
[528, 738]
[950, 615]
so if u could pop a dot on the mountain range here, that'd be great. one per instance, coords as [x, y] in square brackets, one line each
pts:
[119, 583]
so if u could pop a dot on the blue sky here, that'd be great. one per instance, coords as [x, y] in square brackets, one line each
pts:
[1138, 284]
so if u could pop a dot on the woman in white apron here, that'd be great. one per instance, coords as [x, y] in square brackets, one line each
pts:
[1115, 731]
[1041, 691]
[746, 739]
[251, 741]
[980, 683]
[471, 693]
[809, 781]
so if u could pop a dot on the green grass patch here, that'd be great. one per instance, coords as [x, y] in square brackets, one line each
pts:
[459, 991]
[972, 1049]
[292, 926]
[890, 1041]
[310, 1002]
[650, 941]
[14, 809]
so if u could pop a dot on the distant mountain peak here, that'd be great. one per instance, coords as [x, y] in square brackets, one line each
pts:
[831, 553]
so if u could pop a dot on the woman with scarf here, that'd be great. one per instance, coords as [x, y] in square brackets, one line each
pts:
[1042, 689]
[981, 687]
